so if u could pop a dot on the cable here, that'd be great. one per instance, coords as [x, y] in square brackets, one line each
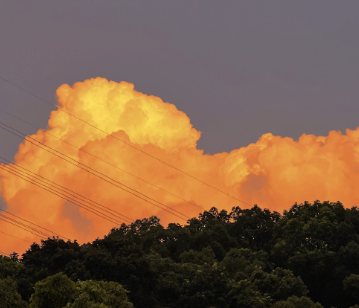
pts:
[83, 166]
[3, 210]
[13, 222]
[15, 237]
[62, 189]
[64, 197]
[128, 144]
[101, 159]
[4, 254]
[19, 224]
[92, 171]
[40, 232]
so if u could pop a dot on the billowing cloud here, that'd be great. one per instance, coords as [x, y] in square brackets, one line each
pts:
[274, 172]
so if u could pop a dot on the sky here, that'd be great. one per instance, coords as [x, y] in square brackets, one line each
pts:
[238, 69]
[252, 87]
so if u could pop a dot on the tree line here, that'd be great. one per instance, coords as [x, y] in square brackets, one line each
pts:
[249, 258]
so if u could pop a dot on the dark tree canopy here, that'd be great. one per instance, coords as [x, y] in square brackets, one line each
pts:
[307, 257]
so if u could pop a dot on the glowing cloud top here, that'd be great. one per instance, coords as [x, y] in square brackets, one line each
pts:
[274, 172]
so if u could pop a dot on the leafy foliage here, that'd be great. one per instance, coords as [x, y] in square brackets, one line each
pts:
[307, 257]
[9, 296]
[54, 291]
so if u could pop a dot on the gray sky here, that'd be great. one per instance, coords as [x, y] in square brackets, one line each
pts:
[238, 69]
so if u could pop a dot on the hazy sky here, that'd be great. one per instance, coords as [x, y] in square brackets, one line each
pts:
[238, 69]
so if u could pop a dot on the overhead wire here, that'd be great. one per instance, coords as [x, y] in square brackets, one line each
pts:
[127, 143]
[64, 189]
[102, 160]
[23, 225]
[20, 226]
[21, 239]
[23, 219]
[13, 221]
[30, 227]
[62, 196]
[4, 254]
[64, 193]
[94, 172]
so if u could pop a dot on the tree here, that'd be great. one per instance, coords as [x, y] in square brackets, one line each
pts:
[240, 263]
[54, 291]
[253, 227]
[244, 295]
[351, 286]
[246, 258]
[9, 296]
[101, 294]
[279, 284]
[59, 291]
[206, 255]
[41, 261]
[297, 302]
[202, 286]
[9, 267]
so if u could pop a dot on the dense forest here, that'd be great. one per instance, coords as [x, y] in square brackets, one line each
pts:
[306, 257]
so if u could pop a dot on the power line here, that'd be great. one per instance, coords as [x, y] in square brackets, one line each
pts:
[127, 143]
[93, 171]
[16, 221]
[29, 227]
[4, 254]
[18, 217]
[115, 221]
[66, 194]
[20, 225]
[101, 159]
[15, 237]
[64, 189]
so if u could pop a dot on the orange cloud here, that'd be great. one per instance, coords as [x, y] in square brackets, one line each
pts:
[274, 172]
